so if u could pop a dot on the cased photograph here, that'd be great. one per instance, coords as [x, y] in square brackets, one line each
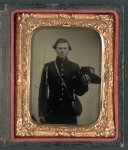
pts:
[64, 75]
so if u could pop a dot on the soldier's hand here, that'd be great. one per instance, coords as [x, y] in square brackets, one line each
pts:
[87, 78]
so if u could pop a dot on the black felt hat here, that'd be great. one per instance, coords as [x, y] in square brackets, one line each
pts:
[95, 79]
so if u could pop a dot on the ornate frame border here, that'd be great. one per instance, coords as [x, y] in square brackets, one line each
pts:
[105, 22]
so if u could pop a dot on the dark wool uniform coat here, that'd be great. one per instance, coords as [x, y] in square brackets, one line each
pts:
[59, 103]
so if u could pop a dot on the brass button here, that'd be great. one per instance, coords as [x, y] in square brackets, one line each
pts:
[60, 99]
[62, 84]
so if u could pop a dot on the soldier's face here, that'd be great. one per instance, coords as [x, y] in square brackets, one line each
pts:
[62, 50]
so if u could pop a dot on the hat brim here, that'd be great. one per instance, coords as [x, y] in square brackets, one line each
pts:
[95, 79]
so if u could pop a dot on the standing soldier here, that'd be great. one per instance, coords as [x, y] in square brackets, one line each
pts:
[63, 78]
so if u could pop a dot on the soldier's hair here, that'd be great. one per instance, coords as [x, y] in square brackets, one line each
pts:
[61, 40]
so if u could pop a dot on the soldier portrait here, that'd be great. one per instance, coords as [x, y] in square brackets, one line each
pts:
[65, 81]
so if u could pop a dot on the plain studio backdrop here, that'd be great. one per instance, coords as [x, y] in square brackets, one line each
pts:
[86, 51]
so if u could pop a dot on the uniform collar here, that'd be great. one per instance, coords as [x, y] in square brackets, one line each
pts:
[61, 61]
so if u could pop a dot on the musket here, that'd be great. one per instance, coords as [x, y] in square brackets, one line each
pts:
[46, 91]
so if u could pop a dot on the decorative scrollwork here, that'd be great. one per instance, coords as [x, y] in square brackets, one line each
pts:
[26, 24]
